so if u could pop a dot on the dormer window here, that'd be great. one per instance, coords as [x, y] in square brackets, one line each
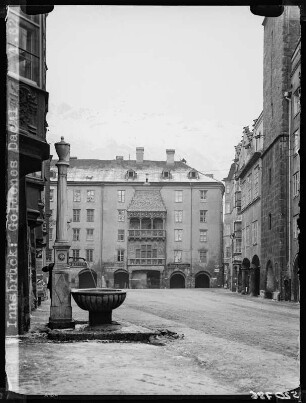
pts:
[166, 174]
[131, 174]
[193, 174]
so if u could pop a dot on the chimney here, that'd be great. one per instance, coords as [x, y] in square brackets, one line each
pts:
[139, 155]
[119, 157]
[170, 157]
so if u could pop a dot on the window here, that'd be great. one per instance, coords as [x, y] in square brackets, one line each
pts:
[193, 175]
[296, 184]
[227, 251]
[227, 229]
[145, 254]
[75, 254]
[121, 196]
[89, 255]
[203, 256]
[166, 174]
[178, 215]
[227, 208]
[76, 195]
[28, 51]
[121, 215]
[178, 196]
[51, 195]
[76, 234]
[90, 196]
[53, 173]
[296, 103]
[270, 221]
[131, 174]
[249, 186]
[203, 235]
[295, 227]
[120, 255]
[49, 254]
[51, 213]
[76, 215]
[227, 189]
[121, 235]
[238, 245]
[177, 256]
[254, 232]
[178, 235]
[203, 195]
[248, 236]
[296, 142]
[90, 215]
[50, 234]
[256, 181]
[203, 215]
[89, 234]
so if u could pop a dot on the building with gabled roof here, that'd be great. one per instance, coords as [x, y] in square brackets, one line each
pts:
[144, 224]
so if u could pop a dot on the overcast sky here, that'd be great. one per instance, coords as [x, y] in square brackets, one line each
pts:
[121, 77]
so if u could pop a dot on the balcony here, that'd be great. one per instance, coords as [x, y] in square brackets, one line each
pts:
[147, 261]
[156, 234]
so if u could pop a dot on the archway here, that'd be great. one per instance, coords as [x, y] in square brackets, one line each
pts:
[87, 278]
[202, 280]
[177, 280]
[270, 280]
[121, 279]
[255, 277]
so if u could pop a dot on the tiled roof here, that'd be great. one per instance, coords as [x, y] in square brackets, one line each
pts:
[148, 200]
[115, 171]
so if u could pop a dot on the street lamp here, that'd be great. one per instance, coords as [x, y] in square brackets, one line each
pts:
[61, 311]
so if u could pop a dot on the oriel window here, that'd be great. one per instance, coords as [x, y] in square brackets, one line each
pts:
[27, 52]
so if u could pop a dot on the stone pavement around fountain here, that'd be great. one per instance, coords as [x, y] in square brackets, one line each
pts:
[38, 366]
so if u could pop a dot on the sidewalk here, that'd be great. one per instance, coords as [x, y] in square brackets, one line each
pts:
[39, 366]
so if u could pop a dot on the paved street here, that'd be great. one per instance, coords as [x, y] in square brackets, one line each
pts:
[231, 344]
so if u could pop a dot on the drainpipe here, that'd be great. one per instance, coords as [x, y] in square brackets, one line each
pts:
[101, 243]
[287, 96]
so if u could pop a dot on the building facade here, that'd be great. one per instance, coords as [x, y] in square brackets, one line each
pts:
[294, 174]
[232, 230]
[248, 174]
[280, 39]
[144, 224]
[27, 101]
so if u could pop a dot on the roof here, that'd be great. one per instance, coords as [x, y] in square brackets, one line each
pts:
[148, 199]
[93, 170]
[232, 170]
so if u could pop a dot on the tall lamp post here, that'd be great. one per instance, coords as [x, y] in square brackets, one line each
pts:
[61, 311]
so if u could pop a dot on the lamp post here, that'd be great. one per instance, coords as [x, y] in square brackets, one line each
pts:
[61, 311]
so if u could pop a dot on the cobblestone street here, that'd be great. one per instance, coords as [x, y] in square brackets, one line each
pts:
[230, 344]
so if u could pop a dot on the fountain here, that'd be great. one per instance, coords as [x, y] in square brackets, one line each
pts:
[100, 303]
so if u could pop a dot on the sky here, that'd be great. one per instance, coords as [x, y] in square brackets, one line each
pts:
[185, 78]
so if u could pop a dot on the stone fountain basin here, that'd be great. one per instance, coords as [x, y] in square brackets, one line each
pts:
[98, 299]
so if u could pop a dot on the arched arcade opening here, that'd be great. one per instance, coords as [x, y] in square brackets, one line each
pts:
[202, 280]
[177, 280]
[121, 279]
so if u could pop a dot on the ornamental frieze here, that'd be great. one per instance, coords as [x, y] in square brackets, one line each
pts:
[147, 214]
